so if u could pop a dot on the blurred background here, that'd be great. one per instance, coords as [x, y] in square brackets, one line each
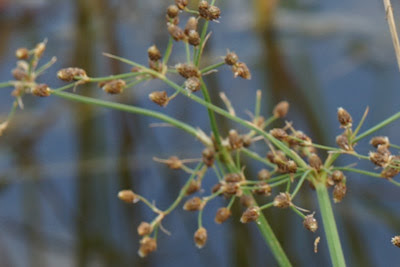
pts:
[62, 163]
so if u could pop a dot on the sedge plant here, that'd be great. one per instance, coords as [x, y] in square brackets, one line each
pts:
[291, 161]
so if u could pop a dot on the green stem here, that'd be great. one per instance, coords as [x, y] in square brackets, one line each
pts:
[211, 67]
[377, 127]
[6, 84]
[257, 157]
[130, 109]
[187, 52]
[168, 51]
[300, 183]
[331, 232]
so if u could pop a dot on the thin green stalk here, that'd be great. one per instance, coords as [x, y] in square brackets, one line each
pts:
[6, 84]
[257, 107]
[372, 174]
[300, 183]
[187, 48]
[114, 77]
[328, 220]
[298, 212]
[168, 51]
[377, 127]
[182, 193]
[130, 109]
[212, 67]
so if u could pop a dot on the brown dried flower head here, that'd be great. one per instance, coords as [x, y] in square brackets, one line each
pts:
[217, 187]
[291, 166]
[263, 189]
[154, 53]
[310, 223]
[231, 58]
[389, 172]
[343, 142]
[71, 74]
[380, 140]
[174, 163]
[208, 156]
[344, 118]
[181, 4]
[314, 161]
[147, 246]
[283, 200]
[193, 84]
[337, 176]
[222, 215]
[246, 201]
[230, 189]
[379, 159]
[176, 32]
[20, 74]
[281, 109]
[114, 87]
[41, 90]
[193, 187]
[39, 49]
[250, 215]
[191, 25]
[264, 174]
[233, 178]
[194, 38]
[235, 140]
[240, 69]
[200, 237]
[172, 11]
[188, 70]
[159, 97]
[203, 9]
[22, 53]
[193, 204]
[339, 191]
[144, 228]
[279, 134]
[128, 196]
[396, 241]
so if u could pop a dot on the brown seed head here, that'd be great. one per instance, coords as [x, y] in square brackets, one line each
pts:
[193, 204]
[181, 4]
[71, 74]
[194, 38]
[174, 163]
[250, 215]
[216, 188]
[114, 87]
[144, 228]
[380, 140]
[283, 200]
[160, 98]
[153, 53]
[233, 178]
[147, 246]
[240, 69]
[281, 109]
[200, 237]
[41, 90]
[396, 241]
[191, 25]
[22, 53]
[279, 134]
[263, 189]
[339, 191]
[193, 84]
[343, 142]
[176, 32]
[247, 140]
[291, 166]
[208, 156]
[329, 181]
[314, 161]
[222, 215]
[389, 172]
[193, 187]
[203, 9]
[128, 196]
[235, 140]
[39, 49]
[344, 118]
[263, 174]
[172, 11]
[231, 58]
[230, 189]
[306, 140]
[379, 159]
[246, 201]
[337, 176]
[214, 13]
[310, 223]
[20, 74]
[188, 70]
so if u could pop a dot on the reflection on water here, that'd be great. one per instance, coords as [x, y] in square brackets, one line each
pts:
[62, 163]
